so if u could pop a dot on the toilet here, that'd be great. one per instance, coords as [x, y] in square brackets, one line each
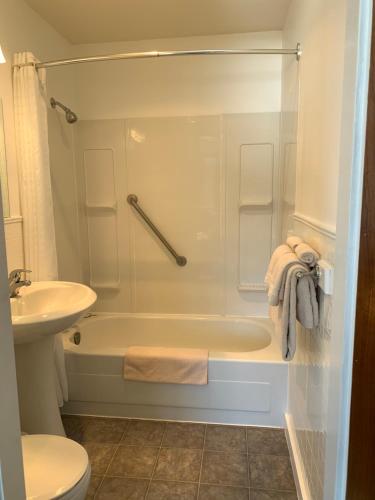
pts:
[54, 467]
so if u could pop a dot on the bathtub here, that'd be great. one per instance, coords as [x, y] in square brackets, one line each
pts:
[247, 377]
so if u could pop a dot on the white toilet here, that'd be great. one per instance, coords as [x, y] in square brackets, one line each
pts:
[55, 467]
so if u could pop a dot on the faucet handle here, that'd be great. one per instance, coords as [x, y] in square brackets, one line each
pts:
[16, 273]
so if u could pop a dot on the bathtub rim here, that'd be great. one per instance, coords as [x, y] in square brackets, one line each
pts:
[270, 353]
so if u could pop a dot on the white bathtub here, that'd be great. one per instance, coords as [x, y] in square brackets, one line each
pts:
[247, 377]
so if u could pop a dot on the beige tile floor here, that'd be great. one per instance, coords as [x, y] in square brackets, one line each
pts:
[144, 459]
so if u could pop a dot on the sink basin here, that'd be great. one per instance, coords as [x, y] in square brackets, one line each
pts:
[48, 307]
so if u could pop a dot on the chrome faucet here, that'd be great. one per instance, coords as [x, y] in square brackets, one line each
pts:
[15, 282]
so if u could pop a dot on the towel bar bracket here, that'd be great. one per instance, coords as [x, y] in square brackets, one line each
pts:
[323, 274]
[316, 273]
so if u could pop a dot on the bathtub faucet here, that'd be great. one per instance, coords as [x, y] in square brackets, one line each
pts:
[15, 282]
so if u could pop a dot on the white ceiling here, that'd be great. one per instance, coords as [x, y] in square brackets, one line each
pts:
[96, 21]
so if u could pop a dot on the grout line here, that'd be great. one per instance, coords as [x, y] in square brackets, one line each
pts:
[111, 460]
[201, 469]
[248, 462]
[161, 480]
[232, 485]
[230, 451]
[99, 485]
[157, 460]
[121, 442]
[278, 490]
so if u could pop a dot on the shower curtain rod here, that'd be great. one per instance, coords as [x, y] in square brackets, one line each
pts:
[297, 52]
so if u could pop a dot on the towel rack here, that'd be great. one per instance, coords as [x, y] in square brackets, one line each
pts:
[315, 273]
[323, 275]
[132, 199]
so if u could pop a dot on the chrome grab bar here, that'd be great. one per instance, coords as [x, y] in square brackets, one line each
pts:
[132, 199]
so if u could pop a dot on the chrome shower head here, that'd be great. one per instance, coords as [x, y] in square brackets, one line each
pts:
[70, 116]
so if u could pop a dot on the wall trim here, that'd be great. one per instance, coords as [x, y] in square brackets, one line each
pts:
[13, 220]
[303, 491]
[326, 229]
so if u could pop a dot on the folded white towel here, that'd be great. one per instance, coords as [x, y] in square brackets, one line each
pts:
[277, 278]
[293, 241]
[307, 254]
[279, 252]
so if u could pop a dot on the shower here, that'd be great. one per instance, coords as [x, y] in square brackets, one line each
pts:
[70, 116]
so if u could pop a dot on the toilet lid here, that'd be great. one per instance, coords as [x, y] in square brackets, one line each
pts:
[52, 465]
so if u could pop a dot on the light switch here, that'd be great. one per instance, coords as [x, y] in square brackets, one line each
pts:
[326, 276]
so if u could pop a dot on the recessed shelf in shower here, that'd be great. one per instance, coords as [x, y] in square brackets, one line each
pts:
[109, 286]
[101, 206]
[244, 205]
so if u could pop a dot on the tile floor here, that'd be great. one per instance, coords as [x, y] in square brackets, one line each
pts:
[144, 459]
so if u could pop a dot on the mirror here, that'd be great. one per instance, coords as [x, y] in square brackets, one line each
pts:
[3, 166]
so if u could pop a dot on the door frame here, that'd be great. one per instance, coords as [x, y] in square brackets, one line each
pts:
[338, 370]
[361, 459]
[11, 467]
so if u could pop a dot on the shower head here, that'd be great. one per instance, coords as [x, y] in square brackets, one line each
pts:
[70, 116]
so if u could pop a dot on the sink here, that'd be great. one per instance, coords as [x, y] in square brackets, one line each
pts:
[39, 312]
[48, 307]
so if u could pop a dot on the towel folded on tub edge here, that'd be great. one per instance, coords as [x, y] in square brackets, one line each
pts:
[167, 365]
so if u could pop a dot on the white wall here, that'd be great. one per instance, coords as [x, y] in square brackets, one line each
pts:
[64, 191]
[350, 184]
[210, 183]
[317, 416]
[21, 29]
[320, 27]
[180, 86]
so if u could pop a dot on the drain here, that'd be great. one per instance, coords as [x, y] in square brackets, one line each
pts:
[77, 337]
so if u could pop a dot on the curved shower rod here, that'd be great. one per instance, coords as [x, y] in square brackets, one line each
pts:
[297, 52]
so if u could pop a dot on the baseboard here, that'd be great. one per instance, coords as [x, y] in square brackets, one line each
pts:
[303, 491]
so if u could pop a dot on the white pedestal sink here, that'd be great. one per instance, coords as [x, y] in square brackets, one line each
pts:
[40, 311]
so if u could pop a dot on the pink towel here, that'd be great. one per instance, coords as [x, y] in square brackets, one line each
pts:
[166, 365]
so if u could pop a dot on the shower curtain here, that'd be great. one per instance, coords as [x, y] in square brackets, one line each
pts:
[30, 111]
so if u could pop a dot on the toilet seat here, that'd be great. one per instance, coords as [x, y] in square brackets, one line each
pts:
[53, 466]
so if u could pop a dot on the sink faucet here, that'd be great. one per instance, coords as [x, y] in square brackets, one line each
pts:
[15, 282]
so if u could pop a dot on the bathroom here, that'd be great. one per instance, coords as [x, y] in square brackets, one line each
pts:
[153, 157]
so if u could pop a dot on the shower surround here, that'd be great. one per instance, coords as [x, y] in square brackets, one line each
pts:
[209, 183]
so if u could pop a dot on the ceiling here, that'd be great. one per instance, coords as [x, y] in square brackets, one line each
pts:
[97, 21]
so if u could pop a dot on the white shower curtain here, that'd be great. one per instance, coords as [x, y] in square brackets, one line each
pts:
[30, 110]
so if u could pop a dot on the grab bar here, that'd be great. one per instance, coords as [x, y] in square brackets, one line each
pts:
[132, 199]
